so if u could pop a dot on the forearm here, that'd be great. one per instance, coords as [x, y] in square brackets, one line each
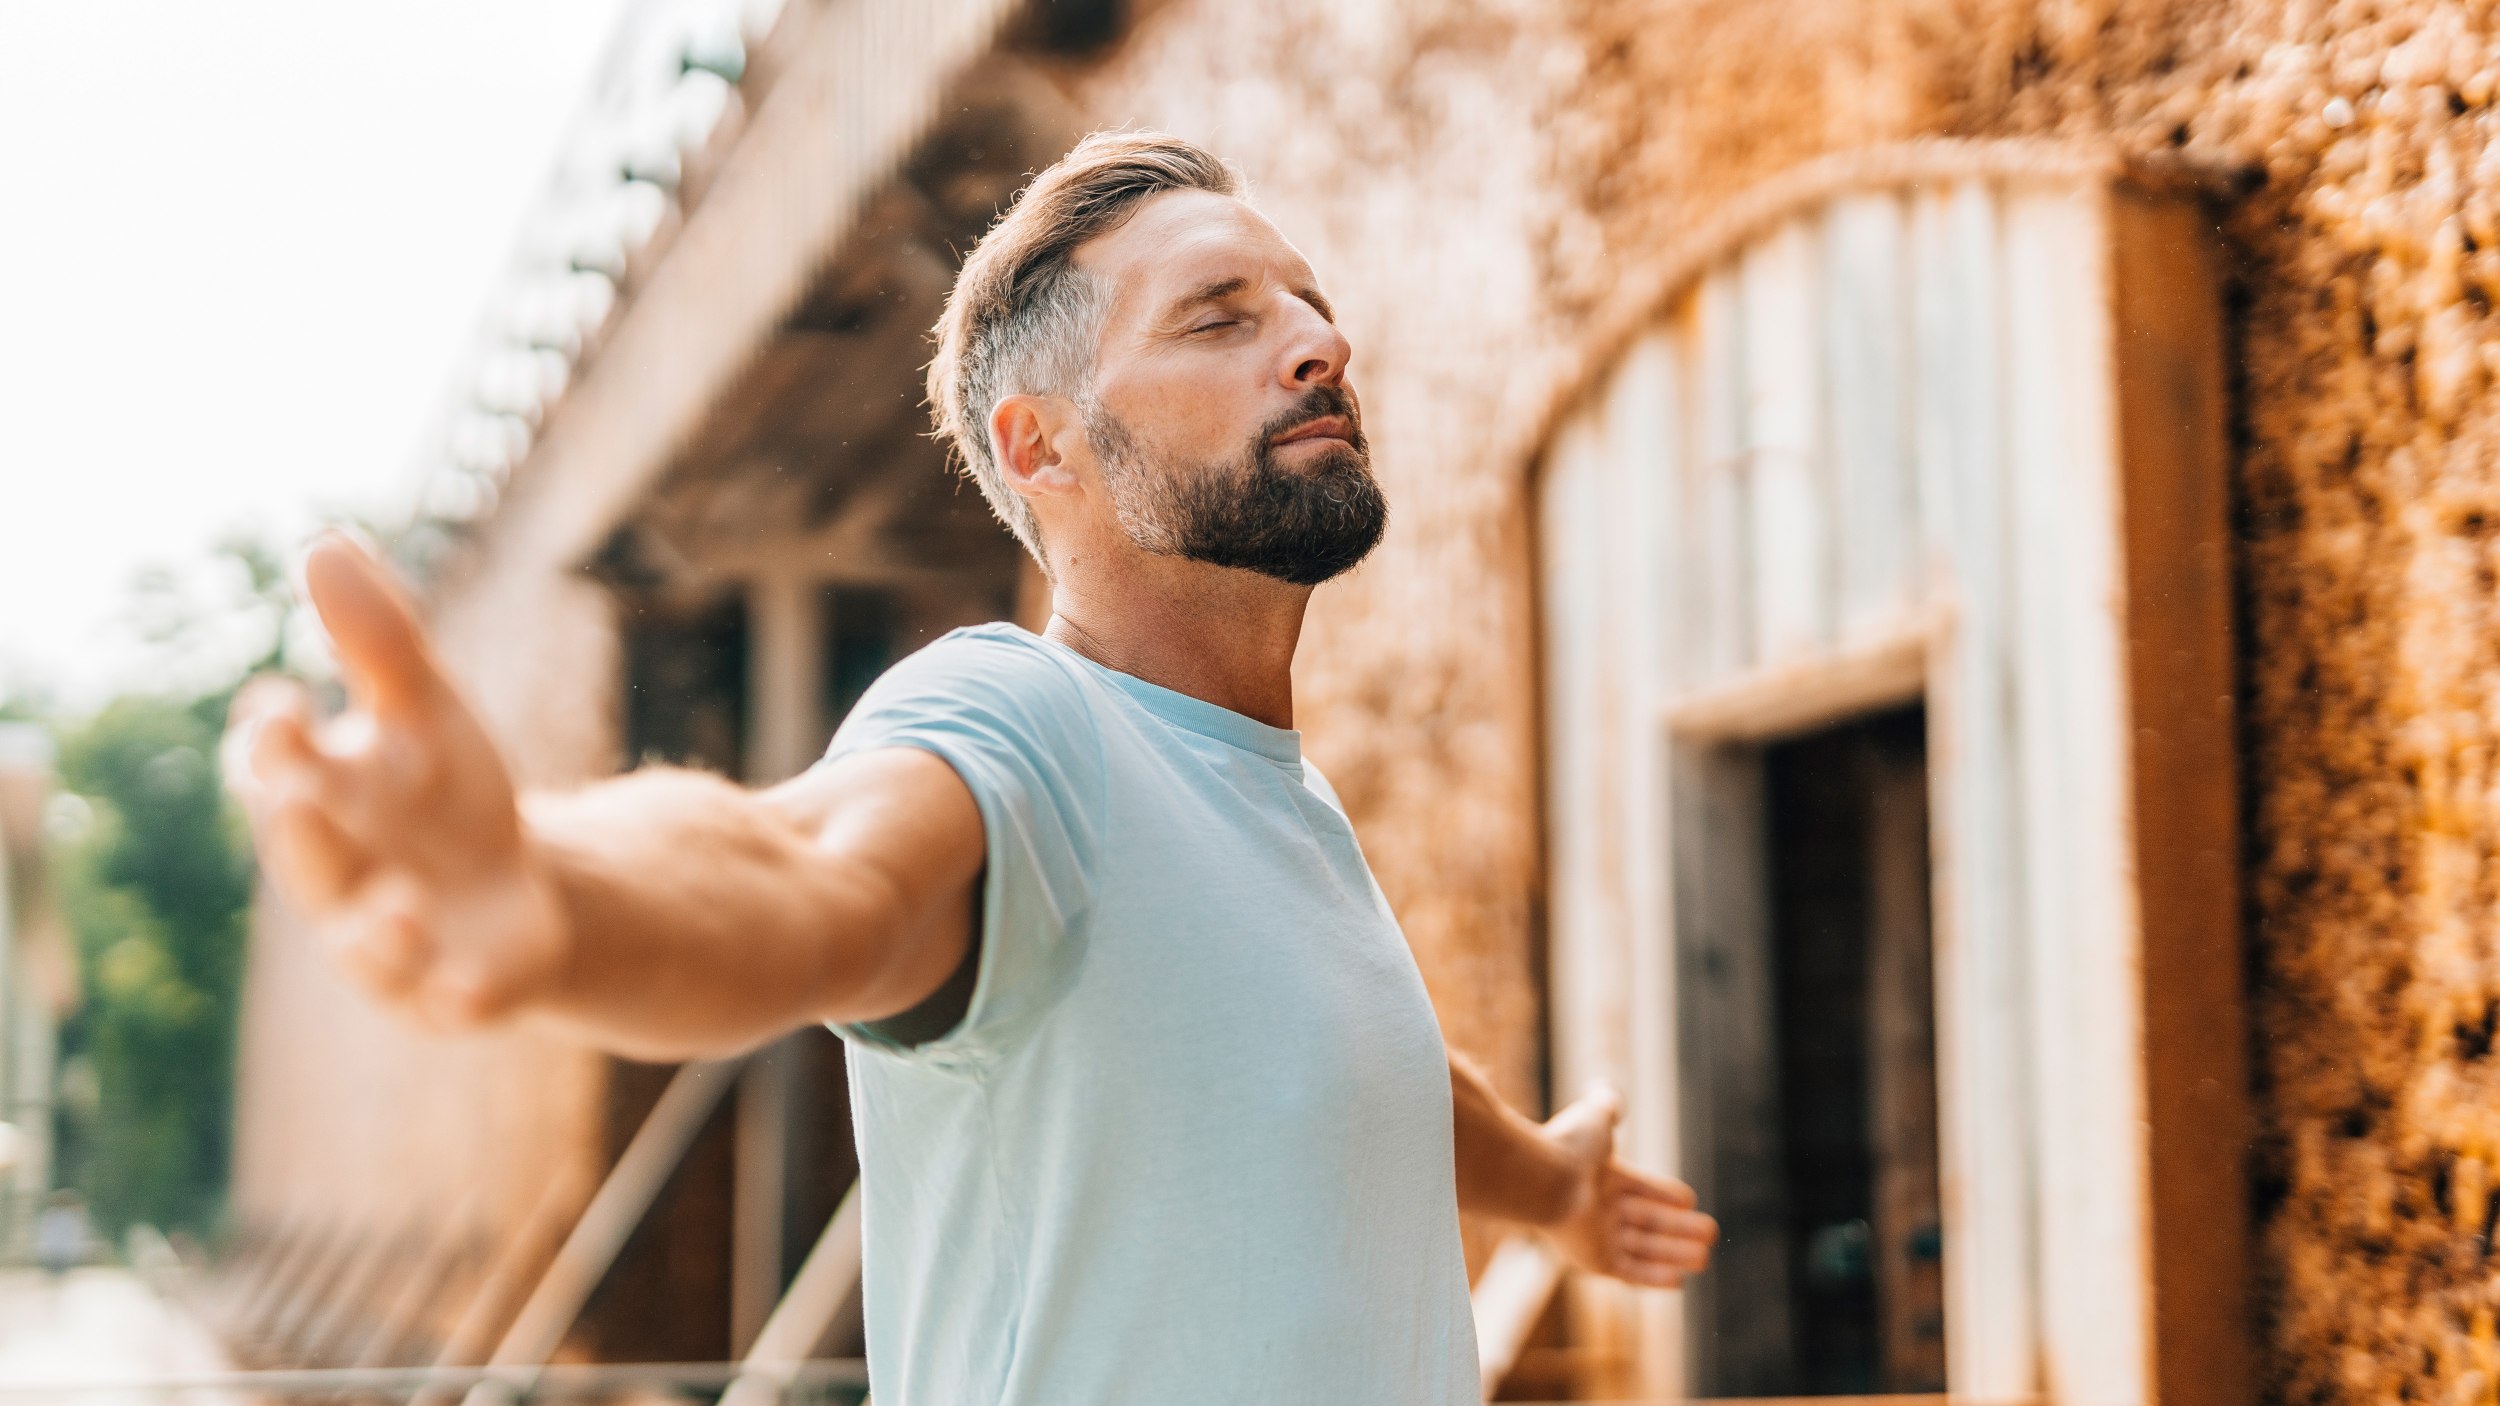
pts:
[700, 920]
[1507, 1167]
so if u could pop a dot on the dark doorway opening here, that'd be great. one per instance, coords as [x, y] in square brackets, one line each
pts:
[686, 682]
[1854, 993]
[1815, 1117]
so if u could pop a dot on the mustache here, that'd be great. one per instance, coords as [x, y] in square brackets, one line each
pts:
[1315, 402]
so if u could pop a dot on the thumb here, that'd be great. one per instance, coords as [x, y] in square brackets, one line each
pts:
[381, 647]
[1587, 1127]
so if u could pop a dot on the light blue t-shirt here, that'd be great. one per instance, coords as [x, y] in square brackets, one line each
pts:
[1190, 1144]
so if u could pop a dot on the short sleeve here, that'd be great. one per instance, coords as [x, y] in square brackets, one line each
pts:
[1016, 725]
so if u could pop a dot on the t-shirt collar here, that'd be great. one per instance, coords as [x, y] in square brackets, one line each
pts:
[1277, 744]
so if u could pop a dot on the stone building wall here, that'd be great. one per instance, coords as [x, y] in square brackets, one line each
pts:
[1477, 179]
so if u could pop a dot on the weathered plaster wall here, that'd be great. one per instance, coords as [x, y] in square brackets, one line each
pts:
[1477, 179]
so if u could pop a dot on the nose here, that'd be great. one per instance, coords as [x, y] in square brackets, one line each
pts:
[1315, 351]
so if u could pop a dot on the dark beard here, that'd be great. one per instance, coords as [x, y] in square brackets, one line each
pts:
[1302, 526]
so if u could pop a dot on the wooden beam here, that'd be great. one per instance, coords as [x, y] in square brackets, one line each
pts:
[1770, 703]
[860, 89]
[1983, 1051]
[2084, 1017]
[2175, 459]
[785, 706]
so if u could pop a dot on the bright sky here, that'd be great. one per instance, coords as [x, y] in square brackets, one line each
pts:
[241, 247]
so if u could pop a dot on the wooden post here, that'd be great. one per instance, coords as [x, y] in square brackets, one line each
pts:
[2185, 799]
[1901, 1077]
[785, 675]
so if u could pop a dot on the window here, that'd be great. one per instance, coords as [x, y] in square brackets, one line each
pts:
[1889, 559]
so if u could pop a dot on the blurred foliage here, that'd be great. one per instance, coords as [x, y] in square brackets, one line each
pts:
[155, 890]
[156, 883]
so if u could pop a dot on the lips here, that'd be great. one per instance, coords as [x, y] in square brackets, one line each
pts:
[1333, 427]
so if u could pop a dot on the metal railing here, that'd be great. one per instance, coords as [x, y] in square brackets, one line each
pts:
[837, 1381]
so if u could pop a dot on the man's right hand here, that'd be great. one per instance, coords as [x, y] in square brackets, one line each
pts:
[393, 829]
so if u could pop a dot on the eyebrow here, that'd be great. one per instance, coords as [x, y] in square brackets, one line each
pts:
[1222, 288]
[1214, 292]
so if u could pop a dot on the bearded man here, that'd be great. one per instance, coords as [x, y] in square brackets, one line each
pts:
[1151, 1105]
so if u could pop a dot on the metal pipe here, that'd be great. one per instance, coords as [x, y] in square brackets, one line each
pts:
[539, 1380]
[799, 1322]
[607, 1222]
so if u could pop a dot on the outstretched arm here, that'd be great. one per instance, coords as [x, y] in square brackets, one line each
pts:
[665, 914]
[1562, 1177]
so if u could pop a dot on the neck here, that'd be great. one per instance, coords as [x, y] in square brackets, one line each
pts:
[1220, 635]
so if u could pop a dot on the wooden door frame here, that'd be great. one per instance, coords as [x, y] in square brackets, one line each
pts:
[2070, 629]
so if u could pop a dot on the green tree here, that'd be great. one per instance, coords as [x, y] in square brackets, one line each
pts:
[157, 887]
[156, 891]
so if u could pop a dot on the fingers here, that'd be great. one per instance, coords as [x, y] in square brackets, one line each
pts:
[385, 939]
[1658, 1206]
[381, 647]
[273, 766]
[1643, 1230]
[1666, 1189]
[1658, 1246]
[1651, 1272]
[1649, 1213]
[317, 865]
[380, 938]
[292, 792]
[259, 703]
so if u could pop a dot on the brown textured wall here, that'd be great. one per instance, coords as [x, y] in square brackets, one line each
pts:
[1477, 179]
[2367, 261]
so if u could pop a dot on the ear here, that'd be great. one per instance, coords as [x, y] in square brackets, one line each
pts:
[1031, 437]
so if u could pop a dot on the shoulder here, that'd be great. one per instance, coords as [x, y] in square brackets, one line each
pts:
[994, 682]
[999, 666]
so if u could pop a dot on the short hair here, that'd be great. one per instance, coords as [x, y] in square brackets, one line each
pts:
[1022, 320]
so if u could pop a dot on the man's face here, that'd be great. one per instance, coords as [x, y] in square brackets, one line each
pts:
[1220, 414]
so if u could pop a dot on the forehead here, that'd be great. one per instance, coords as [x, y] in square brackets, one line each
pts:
[1183, 240]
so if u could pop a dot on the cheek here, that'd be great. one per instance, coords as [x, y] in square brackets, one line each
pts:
[1197, 418]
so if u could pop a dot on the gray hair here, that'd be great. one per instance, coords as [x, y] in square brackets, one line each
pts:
[1022, 319]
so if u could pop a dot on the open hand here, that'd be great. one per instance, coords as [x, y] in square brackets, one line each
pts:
[393, 829]
[1624, 1223]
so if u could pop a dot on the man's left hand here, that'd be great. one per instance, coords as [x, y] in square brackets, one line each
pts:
[1620, 1222]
